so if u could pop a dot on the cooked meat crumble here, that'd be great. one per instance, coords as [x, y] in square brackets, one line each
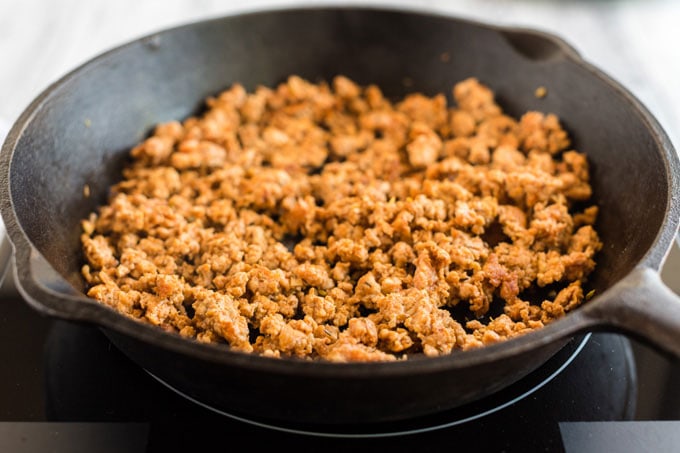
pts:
[327, 222]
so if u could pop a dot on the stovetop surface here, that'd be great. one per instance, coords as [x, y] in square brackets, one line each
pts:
[70, 374]
[630, 40]
[88, 379]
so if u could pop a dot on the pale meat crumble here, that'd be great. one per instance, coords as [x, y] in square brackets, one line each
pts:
[327, 222]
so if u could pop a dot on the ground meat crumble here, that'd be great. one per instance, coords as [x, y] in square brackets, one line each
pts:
[325, 221]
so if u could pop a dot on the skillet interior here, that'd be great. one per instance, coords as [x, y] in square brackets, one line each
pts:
[87, 124]
[83, 128]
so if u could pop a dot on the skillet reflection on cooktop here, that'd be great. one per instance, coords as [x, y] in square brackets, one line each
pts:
[592, 379]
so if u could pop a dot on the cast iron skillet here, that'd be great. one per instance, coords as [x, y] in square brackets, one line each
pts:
[79, 130]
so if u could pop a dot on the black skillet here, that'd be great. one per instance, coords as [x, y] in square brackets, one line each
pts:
[79, 130]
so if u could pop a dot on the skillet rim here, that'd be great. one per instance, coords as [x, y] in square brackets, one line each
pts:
[106, 318]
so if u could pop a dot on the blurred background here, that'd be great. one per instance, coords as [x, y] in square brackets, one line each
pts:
[634, 41]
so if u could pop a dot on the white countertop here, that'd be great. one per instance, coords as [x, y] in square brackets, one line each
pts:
[633, 41]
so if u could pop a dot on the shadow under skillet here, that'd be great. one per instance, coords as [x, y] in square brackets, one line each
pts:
[592, 378]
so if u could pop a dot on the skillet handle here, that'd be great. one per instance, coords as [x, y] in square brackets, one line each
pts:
[45, 290]
[644, 307]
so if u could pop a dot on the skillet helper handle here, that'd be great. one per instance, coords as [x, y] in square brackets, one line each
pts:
[44, 289]
[644, 307]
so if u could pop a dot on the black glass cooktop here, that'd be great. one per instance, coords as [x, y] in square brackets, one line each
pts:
[59, 376]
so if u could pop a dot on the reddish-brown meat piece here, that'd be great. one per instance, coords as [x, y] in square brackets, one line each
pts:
[326, 221]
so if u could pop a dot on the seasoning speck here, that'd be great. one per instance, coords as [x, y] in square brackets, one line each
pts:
[541, 92]
[445, 57]
[87, 122]
[86, 191]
